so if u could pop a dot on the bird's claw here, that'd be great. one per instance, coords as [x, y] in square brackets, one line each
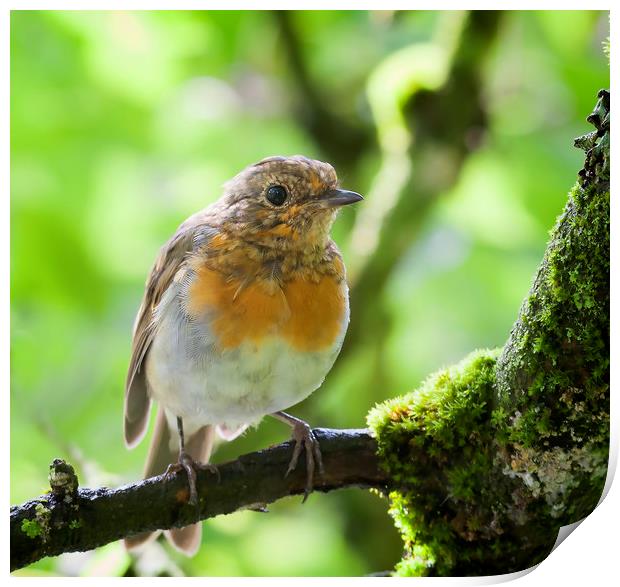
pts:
[305, 438]
[187, 464]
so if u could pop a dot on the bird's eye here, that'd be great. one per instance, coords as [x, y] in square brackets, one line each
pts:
[276, 194]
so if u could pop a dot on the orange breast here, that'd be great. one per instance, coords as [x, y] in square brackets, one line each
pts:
[317, 310]
[308, 314]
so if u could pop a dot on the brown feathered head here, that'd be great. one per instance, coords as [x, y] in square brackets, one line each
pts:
[284, 202]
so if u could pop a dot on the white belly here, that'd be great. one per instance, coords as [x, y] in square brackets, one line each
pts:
[193, 379]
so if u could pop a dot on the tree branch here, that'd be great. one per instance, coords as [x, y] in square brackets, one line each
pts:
[69, 519]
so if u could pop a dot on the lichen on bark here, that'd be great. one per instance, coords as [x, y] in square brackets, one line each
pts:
[489, 458]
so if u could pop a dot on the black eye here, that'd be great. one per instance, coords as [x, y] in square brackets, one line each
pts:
[276, 194]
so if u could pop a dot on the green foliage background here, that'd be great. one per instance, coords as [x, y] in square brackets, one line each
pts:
[124, 123]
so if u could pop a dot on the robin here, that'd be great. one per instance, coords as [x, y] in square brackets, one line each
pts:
[244, 313]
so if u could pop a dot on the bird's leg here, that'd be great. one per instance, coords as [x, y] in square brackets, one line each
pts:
[303, 437]
[187, 463]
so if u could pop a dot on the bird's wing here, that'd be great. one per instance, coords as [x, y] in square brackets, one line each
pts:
[169, 262]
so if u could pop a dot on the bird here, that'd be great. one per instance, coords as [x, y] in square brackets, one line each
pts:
[244, 313]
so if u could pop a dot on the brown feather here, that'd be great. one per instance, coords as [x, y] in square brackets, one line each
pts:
[169, 262]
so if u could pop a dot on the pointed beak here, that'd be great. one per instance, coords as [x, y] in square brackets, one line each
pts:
[336, 198]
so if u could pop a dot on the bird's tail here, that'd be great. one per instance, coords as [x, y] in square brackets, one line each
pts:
[164, 450]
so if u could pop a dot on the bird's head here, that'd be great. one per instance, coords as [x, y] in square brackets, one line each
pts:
[284, 202]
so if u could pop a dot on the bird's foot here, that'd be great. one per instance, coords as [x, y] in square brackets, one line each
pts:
[305, 438]
[189, 465]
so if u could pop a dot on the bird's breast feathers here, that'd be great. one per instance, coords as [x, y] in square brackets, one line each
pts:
[306, 311]
[229, 348]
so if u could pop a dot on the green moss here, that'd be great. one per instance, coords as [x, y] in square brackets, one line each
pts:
[39, 526]
[436, 444]
[31, 528]
[489, 458]
[75, 524]
[558, 352]
[453, 497]
[445, 409]
[562, 360]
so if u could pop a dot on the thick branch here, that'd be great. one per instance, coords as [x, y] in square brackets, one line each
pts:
[558, 350]
[63, 521]
[514, 444]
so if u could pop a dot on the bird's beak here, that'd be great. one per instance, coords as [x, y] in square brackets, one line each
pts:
[336, 198]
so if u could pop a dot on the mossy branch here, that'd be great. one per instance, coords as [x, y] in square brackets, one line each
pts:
[515, 441]
[70, 519]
